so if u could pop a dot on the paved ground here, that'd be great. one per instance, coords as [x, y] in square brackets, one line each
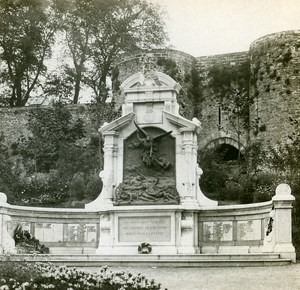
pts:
[219, 278]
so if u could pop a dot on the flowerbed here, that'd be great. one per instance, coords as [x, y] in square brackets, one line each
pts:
[25, 276]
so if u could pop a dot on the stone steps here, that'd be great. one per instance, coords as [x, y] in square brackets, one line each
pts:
[197, 260]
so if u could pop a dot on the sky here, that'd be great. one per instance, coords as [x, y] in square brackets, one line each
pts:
[208, 27]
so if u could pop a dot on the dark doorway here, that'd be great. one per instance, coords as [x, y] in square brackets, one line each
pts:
[227, 152]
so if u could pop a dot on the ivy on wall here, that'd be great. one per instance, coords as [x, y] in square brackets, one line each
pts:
[230, 86]
[191, 94]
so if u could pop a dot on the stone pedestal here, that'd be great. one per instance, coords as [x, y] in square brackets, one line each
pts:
[188, 237]
[7, 243]
[283, 222]
[278, 236]
[169, 230]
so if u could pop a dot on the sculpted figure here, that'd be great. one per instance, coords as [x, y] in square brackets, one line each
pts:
[149, 155]
[129, 190]
[141, 189]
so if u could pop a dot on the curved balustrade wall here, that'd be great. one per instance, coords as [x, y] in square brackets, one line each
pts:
[222, 229]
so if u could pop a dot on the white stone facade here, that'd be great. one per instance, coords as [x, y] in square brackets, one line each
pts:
[150, 100]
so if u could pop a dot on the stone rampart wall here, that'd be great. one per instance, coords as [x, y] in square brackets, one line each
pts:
[210, 117]
[275, 85]
[275, 71]
[131, 64]
[13, 122]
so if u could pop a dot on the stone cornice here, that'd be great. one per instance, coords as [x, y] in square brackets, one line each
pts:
[117, 124]
[182, 122]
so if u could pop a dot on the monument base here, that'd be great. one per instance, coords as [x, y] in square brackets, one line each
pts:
[133, 250]
[286, 250]
[125, 228]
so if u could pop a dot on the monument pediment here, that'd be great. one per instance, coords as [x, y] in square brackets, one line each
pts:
[117, 124]
[150, 81]
[194, 125]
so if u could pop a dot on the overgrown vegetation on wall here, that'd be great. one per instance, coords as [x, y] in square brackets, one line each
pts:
[57, 165]
[190, 95]
[230, 86]
[285, 161]
[230, 177]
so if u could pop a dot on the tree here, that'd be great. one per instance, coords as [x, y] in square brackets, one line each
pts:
[27, 31]
[59, 86]
[98, 31]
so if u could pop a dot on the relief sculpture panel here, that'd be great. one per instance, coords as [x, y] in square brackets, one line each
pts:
[149, 169]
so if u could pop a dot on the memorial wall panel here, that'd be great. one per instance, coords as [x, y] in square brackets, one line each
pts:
[249, 230]
[217, 231]
[144, 229]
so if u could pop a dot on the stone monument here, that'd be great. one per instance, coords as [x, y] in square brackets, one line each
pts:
[7, 243]
[151, 192]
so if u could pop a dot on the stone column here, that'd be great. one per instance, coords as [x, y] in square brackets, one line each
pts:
[105, 239]
[188, 243]
[7, 243]
[282, 224]
[108, 174]
[188, 170]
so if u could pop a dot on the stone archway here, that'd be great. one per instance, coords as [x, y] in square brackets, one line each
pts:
[219, 138]
[222, 160]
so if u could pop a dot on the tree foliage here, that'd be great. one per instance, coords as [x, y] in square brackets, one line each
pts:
[27, 31]
[98, 31]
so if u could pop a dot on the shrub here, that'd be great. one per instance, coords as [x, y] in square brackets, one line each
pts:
[265, 185]
[77, 186]
[214, 180]
[93, 186]
[233, 190]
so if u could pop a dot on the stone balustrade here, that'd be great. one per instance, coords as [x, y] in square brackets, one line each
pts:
[219, 230]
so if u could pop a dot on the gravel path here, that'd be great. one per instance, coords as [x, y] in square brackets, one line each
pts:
[219, 278]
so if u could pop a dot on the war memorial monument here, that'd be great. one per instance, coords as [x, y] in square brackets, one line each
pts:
[151, 207]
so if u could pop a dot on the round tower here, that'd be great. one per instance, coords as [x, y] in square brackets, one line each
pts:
[175, 64]
[275, 86]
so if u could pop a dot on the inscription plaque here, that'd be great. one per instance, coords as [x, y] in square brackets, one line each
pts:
[82, 233]
[47, 232]
[145, 229]
[249, 230]
[217, 231]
